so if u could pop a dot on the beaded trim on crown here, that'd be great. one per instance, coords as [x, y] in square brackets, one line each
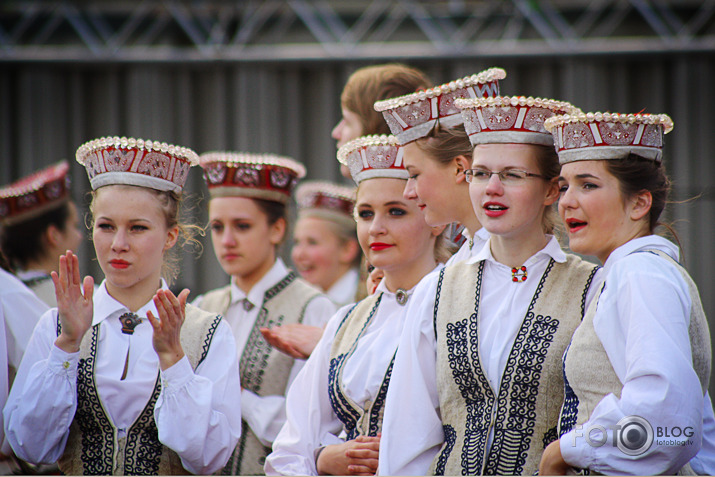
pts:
[594, 136]
[258, 176]
[515, 119]
[413, 116]
[145, 163]
[369, 157]
[35, 194]
[326, 195]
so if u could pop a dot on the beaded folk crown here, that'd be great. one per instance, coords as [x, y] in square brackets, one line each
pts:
[593, 136]
[145, 163]
[35, 194]
[257, 176]
[369, 157]
[326, 200]
[413, 116]
[510, 120]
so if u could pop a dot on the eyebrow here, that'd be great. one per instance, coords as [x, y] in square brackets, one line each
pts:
[579, 176]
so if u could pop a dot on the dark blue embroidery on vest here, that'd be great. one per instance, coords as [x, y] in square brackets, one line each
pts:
[94, 426]
[450, 437]
[376, 412]
[569, 410]
[209, 338]
[436, 301]
[519, 388]
[549, 436]
[348, 414]
[143, 450]
[585, 290]
[462, 343]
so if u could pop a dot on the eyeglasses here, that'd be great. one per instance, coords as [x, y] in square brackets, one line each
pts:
[507, 176]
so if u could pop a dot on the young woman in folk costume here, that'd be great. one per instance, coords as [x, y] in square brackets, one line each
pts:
[335, 406]
[325, 248]
[38, 223]
[359, 118]
[478, 370]
[438, 151]
[247, 217]
[128, 379]
[641, 359]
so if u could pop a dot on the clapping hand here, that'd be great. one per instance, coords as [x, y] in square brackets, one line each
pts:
[74, 303]
[167, 327]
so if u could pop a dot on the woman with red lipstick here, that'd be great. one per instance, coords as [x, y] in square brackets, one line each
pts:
[336, 403]
[479, 360]
[438, 151]
[247, 217]
[641, 359]
[128, 379]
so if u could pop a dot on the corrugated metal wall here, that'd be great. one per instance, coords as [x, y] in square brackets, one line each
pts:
[48, 110]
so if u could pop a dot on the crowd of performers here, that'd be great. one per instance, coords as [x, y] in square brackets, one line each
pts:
[436, 319]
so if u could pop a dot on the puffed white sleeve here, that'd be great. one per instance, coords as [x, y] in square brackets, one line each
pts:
[642, 321]
[43, 398]
[412, 425]
[310, 420]
[197, 414]
[22, 310]
[266, 414]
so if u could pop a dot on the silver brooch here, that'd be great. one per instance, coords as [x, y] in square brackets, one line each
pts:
[401, 296]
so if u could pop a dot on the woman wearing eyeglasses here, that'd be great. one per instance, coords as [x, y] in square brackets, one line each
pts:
[477, 379]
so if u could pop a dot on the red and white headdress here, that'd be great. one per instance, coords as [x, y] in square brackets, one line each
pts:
[369, 157]
[35, 194]
[510, 120]
[413, 116]
[582, 137]
[145, 163]
[258, 176]
[326, 200]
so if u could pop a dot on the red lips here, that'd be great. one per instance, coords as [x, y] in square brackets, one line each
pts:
[574, 225]
[494, 209]
[120, 264]
[377, 246]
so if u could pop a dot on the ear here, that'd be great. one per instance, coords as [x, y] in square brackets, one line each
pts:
[348, 251]
[52, 235]
[172, 235]
[640, 205]
[438, 229]
[462, 163]
[277, 231]
[552, 193]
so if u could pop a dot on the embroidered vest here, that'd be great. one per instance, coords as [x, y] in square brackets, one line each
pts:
[524, 414]
[365, 418]
[93, 447]
[282, 304]
[589, 375]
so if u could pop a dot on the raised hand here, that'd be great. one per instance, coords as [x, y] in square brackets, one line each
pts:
[294, 339]
[74, 303]
[167, 327]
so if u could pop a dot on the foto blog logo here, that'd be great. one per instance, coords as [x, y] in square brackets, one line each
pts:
[632, 435]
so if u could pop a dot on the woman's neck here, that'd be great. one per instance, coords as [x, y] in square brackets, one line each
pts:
[136, 296]
[246, 282]
[514, 251]
[409, 275]
[341, 270]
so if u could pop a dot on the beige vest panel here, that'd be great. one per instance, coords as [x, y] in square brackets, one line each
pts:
[524, 415]
[94, 447]
[359, 419]
[263, 369]
[590, 376]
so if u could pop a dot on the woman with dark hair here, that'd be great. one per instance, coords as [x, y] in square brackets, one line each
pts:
[249, 194]
[38, 223]
[641, 359]
[128, 379]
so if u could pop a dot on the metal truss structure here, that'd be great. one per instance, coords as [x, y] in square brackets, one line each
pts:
[286, 30]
